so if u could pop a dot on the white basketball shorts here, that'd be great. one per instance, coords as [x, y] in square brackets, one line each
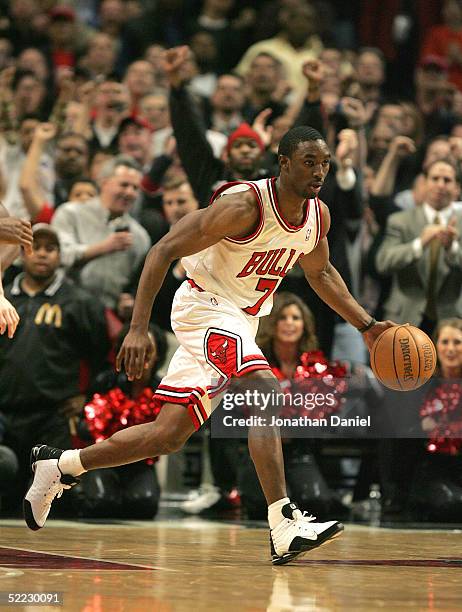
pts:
[217, 342]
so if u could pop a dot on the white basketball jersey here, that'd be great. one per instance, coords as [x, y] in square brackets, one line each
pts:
[247, 271]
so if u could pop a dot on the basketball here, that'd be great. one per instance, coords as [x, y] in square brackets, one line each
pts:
[403, 358]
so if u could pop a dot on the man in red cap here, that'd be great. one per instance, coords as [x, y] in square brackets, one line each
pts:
[244, 149]
[205, 172]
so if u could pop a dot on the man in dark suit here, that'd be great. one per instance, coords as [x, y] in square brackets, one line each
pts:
[422, 252]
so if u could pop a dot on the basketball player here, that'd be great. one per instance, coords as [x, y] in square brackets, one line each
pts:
[236, 253]
[13, 233]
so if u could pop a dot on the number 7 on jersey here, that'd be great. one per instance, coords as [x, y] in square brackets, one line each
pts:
[267, 286]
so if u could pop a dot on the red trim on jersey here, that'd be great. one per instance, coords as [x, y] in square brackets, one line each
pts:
[321, 226]
[202, 410]
[194, 285]
[172, 398]
[190, 407]
[179, 395]
[252, 357]
[182, 389]
[252, 368]
[217, 389]
[193, 417]
[254, 362]
[318, 224]
[251, 363]
[275, 204]
[219, 384]
[191, 401]
[222, 188]
[244, 239]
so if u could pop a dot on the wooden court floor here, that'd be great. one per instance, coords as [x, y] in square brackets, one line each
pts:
[203, 566]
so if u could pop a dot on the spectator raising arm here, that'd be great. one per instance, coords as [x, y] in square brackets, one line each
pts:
[345, 156]
[7, 120]
[86, 93]
[196, 155]
[66, 86]
[356, 116]
[384, 182]
[34, 198]
[310, 112]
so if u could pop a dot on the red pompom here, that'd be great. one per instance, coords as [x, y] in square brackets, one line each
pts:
[110, 412]
[443, 404]
[314, 376]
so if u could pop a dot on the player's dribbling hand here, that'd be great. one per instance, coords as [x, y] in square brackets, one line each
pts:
[374, 332]
[9, 318]
[136, 353]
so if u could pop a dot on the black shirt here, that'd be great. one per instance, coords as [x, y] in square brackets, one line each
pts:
[58, 328]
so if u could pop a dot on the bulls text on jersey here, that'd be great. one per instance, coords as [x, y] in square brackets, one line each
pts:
[275, 262]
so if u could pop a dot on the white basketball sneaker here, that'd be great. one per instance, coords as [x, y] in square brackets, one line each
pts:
[48, 482]
[298, 533]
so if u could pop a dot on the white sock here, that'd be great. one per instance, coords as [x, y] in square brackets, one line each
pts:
[275, 515]
[69, 463]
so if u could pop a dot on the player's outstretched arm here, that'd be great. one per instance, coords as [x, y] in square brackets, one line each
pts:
[331, 288]
[231, 215]
[13, 232]
[9, 318]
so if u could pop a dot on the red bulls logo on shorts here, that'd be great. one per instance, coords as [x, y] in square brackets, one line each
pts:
[220, 353]
[222, 350]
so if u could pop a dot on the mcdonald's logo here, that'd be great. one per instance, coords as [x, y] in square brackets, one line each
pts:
[50, 315]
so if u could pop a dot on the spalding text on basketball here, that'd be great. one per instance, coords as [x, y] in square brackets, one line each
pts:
[404, 343]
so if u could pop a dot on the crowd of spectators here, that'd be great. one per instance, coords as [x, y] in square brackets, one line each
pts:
[118, 117]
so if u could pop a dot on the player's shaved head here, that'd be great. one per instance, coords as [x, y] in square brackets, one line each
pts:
[292, 138]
